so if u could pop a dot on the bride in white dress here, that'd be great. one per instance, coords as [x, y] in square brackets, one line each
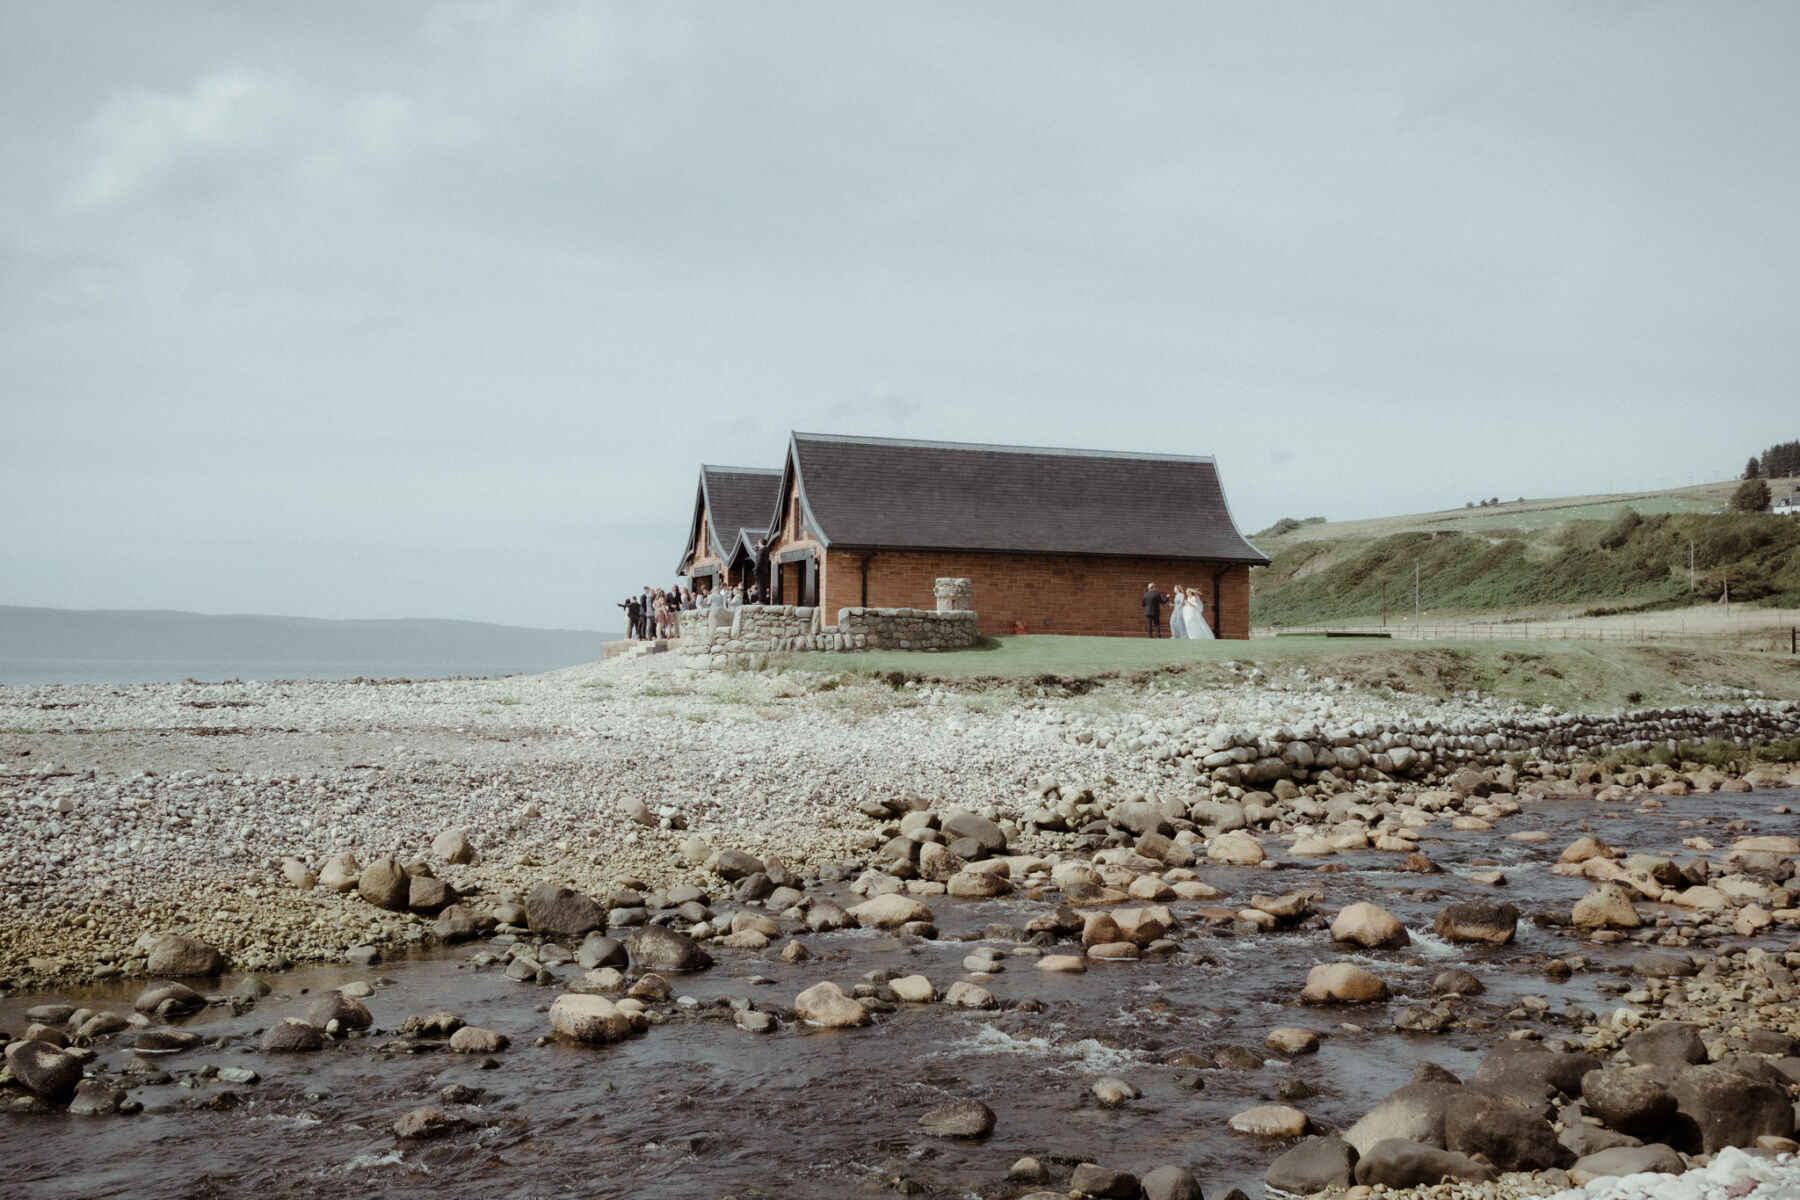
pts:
[1192, 615]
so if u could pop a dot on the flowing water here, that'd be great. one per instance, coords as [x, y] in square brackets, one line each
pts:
[697, 1107]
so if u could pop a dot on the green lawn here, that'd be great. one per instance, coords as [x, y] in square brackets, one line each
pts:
[1571, 675]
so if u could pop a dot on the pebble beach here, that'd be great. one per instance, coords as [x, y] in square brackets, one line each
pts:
[1040, 826]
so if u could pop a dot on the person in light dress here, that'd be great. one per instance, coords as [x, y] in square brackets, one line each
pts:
[1191, 612]
[1178, 615]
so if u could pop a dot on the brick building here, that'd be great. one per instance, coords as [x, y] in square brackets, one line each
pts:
[1058, 541]
[731, 513]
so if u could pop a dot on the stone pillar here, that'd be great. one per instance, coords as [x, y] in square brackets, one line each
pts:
[955, 595]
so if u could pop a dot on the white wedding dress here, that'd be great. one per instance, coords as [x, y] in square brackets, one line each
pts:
[1193, 620]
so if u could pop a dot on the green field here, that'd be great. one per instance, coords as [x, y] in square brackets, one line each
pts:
[1570, 675]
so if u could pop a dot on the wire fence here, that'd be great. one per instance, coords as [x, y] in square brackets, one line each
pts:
[1784, 639]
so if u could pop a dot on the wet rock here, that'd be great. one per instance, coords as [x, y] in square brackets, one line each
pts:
[1418, 864]
[1239, 848]
[1111, 1093]
[1342, 983]
[1414, 1113]
[459, 923]
[1028, 1170]
[434, 1025]
[1291, 1039]
[1608, 906]
[102, 1024]
[958, 824]
[587, 1018]
[562, 912]
[1104, 1183]
[1369, 926]
[1629, 1101]
[890, 911]
[95, 1098]
[1626, 1160]
[1402, 1164]
[959, 1119]
[827, 915]
[1170, 1182]
[168, 997]
[1718, 1106]
[292, 1035]
[978, 885]
[171, 954]
[1066, 964]
[659, 948]
[428, 1121]
[47, 1071]
[336, 1007]
[385, 884]
[598, 950]
[1316, 1165]
[752, 1021]
[825, 1004]
[1270, 1120]
[963, 994]
[165, 1041]
[1477, 921]
[1509, 1137]
[1457, 982]
[914, 989]
[1530, 1073]
[471, 1039]
[453, 846]
[1419, 1019]
[1666, 1044]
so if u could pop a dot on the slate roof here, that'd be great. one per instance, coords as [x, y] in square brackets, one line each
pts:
[887, 493]
[736, 500]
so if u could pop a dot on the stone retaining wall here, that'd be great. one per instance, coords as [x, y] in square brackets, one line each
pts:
[1423, 748]
[744, 637]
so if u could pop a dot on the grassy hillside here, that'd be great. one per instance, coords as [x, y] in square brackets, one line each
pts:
[1629, 561]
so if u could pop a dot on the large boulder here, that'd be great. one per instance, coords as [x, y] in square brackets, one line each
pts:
[1403, 1164]
[168, 998]
[1103, 1183]
[459, 923]
[659, 948]
[825, 1004]
[47, 1071]
[1414, 1113]
[453, 846]
[1720, 1106]
[1606, 907]
[429, 896]
[1318, 1164]
[171, 954]
[292, 1035]
[1342, 983]
[598, 950]
[562, 912]
[733, 865]
[588, 1018]
[1169, 1182]
[1239, 849]
[1369, 926]
[890, 911]
[1477, 921]
[340, 872]
[385, 884]
[1532, 1075]
[1508, 1136]
[1620, 1161]
[1630, 1101]
[1666, 1044]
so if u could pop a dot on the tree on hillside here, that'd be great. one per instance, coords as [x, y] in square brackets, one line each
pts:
[1752, 495]
[1780, 461]
[1753, 469]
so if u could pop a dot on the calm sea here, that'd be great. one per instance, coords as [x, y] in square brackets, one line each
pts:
[29, 671]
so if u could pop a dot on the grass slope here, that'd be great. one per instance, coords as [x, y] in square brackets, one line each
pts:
[1630, 561]
[1570, 675]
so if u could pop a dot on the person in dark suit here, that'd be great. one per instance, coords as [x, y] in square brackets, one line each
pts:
[632, 615]
[1153, 601]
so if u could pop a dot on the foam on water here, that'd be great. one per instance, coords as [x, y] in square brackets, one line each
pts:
[393, 1158]
[1086, 1053]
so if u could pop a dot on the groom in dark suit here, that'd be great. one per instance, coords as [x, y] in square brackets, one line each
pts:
[1153, 601]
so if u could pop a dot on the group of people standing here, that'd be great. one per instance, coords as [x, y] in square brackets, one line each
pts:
[1187, 613]
[655, 614]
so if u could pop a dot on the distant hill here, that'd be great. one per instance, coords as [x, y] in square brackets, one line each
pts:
[1582, 554]
[106, 635]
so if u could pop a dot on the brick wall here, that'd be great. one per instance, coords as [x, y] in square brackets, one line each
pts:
[1051, 594]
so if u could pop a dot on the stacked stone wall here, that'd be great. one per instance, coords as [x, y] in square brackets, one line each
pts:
[712, 639]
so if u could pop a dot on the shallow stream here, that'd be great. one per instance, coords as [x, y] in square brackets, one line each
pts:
[696, 1107]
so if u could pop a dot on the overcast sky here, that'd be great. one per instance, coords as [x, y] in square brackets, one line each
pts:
[410, 309]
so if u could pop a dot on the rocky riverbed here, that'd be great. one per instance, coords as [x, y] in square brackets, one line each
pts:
[934, 939]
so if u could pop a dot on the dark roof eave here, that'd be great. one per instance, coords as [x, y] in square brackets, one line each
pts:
[1256, 559]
